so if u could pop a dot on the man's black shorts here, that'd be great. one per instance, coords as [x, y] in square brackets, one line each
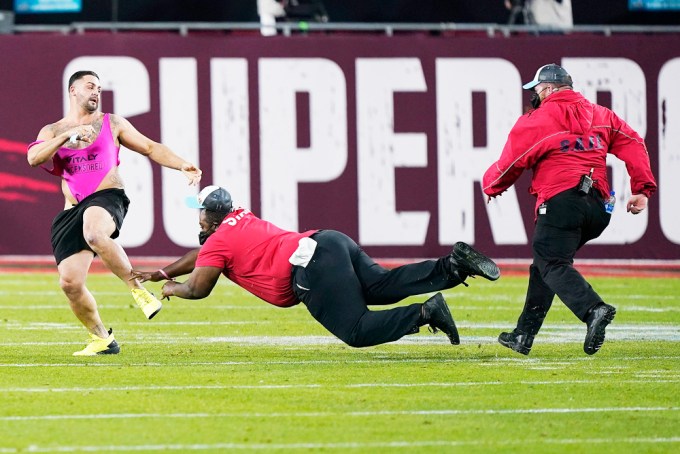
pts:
[67, 227]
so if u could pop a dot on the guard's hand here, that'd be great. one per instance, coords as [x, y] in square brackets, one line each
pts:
[168, 289]
[192, 173]
[143, 276]
[637, 203]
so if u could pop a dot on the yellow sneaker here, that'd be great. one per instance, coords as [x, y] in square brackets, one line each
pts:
[148, 303]
[100, 346]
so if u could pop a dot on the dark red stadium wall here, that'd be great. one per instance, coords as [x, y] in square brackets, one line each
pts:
[31, 91]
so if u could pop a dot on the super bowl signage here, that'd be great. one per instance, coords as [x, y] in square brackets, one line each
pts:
[380, 149]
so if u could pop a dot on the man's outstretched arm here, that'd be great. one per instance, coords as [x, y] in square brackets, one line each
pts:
[180, 267]
[198, 286]
[136, 141]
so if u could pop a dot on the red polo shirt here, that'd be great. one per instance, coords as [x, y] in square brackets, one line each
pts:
[254, 255]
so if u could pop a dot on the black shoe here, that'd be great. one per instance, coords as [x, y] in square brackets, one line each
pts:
[436, 313]
[518, 341]
[464, 259]
[113, 349]
[600, 316]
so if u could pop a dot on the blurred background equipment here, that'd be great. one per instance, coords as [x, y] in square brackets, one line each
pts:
[654, 5]
[269, 10]
[6, 22]
[302, 11]
[585, 12]
[305, 10]
[519, 12]
[48, 6]
[550, 13]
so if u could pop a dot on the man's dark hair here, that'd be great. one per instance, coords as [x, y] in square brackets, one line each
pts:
[79, 75]
[215, 217]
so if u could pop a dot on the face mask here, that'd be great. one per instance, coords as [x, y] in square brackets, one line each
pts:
[203, 236]
[536, 98]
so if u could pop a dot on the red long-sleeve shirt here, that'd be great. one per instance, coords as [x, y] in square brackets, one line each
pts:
[563, 139]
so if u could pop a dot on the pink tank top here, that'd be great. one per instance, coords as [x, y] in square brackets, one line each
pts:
[83, 170]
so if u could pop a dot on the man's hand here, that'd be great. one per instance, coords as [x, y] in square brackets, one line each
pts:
[192, 173]
[168, 289]
[637, 203]
[198, 286]
[143, 276]
[83, 133]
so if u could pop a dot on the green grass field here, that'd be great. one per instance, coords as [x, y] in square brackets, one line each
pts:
[232, 373]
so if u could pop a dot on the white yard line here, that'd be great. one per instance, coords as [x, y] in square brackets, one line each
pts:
[298, 341]
[375, 358]
[472, 325]
[109, 389]
[330, 414]
[650, 309]
[343, 445]
[552, 333]
[671, 335]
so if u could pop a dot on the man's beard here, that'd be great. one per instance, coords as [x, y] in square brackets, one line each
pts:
[90, 107]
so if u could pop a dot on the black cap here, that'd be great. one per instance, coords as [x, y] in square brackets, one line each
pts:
[213, 198]
[552, 74]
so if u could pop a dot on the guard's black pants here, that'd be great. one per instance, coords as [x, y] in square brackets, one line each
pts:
[341, 280]
[571, 220]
